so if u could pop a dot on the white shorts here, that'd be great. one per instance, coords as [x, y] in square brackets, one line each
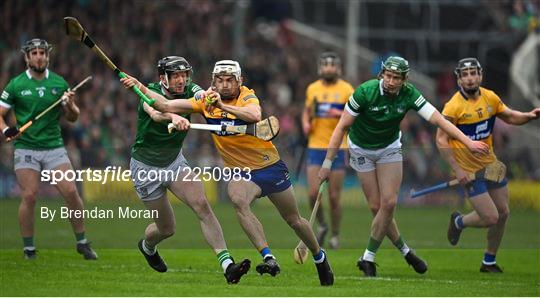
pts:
[364, 160]
[39, 160]
[153, 189]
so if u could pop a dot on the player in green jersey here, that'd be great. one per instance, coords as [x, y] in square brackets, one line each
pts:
[41, 146]
[156, 150]
[372, 118]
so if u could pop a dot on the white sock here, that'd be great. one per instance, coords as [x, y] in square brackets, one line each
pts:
[82, 241]
[268, 256]
[226, 264]
[29, 248]
[405, 249]
[147, 250]
[368, 256]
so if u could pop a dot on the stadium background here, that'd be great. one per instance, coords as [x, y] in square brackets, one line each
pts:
[277, 44]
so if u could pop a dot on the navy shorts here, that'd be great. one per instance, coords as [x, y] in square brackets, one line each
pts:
[271, 179]
[480, 186]
[316, 157]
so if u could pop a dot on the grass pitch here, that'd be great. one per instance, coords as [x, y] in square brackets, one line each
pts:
[193, 268]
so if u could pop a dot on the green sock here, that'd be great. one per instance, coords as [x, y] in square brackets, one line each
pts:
[399, 243]
[79, 236]
[373, 245]
[224, 259]
[28, 241]
[402, 246]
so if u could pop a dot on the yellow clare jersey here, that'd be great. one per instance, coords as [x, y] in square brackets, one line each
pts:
[475, 118]
[238, 150]
[320, 98]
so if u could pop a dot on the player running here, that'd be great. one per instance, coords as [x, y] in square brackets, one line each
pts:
[325, 101]
[264, 173]
[41, 147]
[473, 109]
[156, 150]
[372, 118]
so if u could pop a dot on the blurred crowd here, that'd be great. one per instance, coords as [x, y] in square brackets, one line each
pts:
[276, 63]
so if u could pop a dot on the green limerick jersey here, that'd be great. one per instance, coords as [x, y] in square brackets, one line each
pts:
[378, 115]
[154, 145]
[28, 97]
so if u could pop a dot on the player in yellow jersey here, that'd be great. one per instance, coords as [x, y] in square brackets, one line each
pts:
[264, 173]
[473, 109]
[325, 101]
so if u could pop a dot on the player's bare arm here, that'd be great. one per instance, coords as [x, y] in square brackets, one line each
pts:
[71, 110]
[445, 125]
[518, 118]
[161, 103]
[341, 129]
[306, 120]
[442, 140]
[179, 122]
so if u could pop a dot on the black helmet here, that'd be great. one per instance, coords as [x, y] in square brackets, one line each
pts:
[329, 58]
[36, 43]
[172, 64]
[466, 63]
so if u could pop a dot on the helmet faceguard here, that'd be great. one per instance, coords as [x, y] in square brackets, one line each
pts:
[172, 64]
[227, 67]
[396, 64]
[36, 43]
[467, 63]
[464, 64]
[329, 58]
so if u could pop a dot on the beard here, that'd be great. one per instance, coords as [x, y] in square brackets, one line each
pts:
[470, 91]
[37, 68]
[227, 97]
[329, 77]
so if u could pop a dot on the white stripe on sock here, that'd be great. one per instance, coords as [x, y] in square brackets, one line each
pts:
[226, 264]
[368, 256]
[147, 250]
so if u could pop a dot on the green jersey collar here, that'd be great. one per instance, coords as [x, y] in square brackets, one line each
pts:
[29, 75]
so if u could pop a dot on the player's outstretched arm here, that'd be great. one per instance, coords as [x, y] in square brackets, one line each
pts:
[341, 129]
[445, 125]
[518, 118]
[161, 103]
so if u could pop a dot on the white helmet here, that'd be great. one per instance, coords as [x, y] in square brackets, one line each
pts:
[227, 67]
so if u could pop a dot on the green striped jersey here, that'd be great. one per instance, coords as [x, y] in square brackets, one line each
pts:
[28, 97]
[378, 115]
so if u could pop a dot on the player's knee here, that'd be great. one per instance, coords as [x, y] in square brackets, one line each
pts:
[28, 197]
[504, 214]
[201, 207]
[239, 203]
[491, 219]
[374, 208]
[71, 193]
[388, 205]
[294, 221]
